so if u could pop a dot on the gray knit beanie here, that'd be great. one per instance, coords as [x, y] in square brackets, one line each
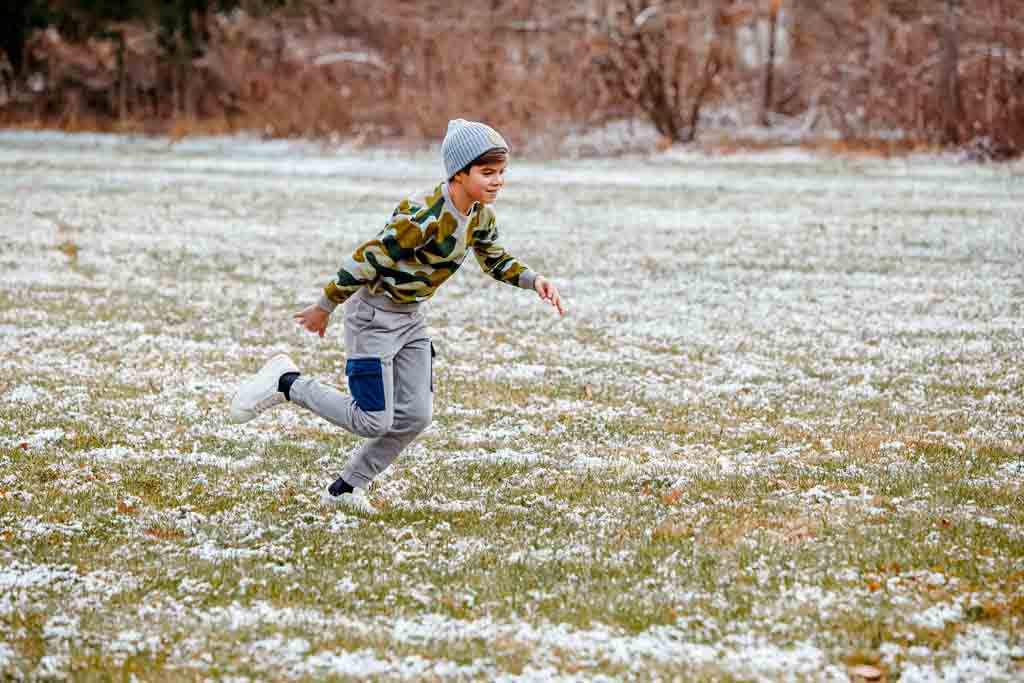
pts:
[465, 141]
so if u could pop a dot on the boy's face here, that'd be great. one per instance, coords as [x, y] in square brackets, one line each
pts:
[483, 182]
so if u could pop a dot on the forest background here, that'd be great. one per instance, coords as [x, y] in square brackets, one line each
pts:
[881, 75]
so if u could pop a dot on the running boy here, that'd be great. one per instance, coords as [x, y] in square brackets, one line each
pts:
[388, 353]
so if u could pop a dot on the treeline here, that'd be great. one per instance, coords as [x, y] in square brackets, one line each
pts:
[938, 72]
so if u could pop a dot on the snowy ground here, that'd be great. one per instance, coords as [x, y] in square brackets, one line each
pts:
[778, 437]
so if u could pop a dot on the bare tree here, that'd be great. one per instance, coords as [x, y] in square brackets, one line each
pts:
[664, 58]
[935, 72]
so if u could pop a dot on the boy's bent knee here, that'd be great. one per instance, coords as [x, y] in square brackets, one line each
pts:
[372, 425]
[417, 422]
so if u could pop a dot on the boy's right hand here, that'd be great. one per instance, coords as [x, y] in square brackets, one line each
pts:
[314, 319]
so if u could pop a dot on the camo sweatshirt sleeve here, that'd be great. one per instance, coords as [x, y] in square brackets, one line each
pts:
[493, 258]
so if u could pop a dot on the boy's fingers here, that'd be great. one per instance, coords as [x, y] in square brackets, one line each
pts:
[550, 294]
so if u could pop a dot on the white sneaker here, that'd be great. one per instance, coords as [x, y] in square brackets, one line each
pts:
[259, 392]
[355, 501]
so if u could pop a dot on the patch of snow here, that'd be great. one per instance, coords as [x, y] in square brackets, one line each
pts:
[26, 393]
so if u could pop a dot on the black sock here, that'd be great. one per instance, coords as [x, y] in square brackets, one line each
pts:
[339, 487]
[284, 384]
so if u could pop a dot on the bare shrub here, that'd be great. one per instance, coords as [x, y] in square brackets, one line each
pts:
[664, 58]
[941, 73]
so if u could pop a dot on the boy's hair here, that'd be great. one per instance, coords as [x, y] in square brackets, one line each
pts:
[491, 156]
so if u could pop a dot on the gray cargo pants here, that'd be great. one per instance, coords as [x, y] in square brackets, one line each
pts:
[390, 379]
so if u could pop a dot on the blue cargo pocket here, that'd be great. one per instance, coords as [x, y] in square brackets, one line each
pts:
[366, 383]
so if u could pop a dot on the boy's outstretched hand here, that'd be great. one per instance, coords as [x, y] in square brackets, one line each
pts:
[548, 292]
[313, 318]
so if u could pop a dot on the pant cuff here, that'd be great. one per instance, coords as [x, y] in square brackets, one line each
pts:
[296, 390]
[355, 479]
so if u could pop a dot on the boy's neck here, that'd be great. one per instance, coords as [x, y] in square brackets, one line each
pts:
[463, 204]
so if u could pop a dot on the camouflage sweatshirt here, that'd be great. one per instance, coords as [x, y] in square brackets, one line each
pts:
[423, 245]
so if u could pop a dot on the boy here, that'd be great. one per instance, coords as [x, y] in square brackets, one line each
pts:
[388, 354]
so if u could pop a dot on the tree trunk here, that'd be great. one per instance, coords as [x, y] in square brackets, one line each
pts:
[13, 32]
[122, 79]
[878, 49]
[949, 78]
[711, 68]
[768, 82]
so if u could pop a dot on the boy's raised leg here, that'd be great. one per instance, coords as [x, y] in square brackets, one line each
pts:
[367, 411]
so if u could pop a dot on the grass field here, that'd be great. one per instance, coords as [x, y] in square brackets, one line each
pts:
[779, 436]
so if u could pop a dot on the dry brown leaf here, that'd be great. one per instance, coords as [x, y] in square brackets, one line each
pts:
[69, 249]
[165, 534]
[671, 497]
[867, 672]
[669, 530]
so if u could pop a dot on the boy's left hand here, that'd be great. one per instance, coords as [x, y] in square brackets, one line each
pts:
[314, 319]
[548, 292]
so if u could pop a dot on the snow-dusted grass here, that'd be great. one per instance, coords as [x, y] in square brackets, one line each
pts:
[778, 436]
